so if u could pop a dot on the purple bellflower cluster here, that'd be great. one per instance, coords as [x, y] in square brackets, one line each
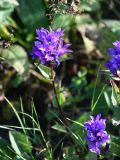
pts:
[49, 46]
[96, 134]
[114, 63]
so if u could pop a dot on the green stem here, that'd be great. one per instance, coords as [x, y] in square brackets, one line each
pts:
[56, 96]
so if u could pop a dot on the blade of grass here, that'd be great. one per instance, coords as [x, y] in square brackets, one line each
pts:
[75, 122]
[16, 113]
[5, 155]
[5, 127]
[34, 113]
[22, 125]
[93, 107]
[9, 127]
[40, 132]
[93, 97]
[59, 142]
[71, 132]
[22, 109]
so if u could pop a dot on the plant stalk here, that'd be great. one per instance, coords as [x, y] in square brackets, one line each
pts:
[56, 96]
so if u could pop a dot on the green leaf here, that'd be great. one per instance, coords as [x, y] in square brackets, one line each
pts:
[66, 57]
[70, 153]
[51, 114]
[114, 146]
[32, 14]
[107, 38]
[116, 116]
[62, 7]
[18, 158]
[77, 125]
[62, 21]
[100, 105]
[84, 19]
[17, 57]
[89, 6]
[115, 87]
[115, 121]
[74, 157]
[6, 8]
[115, 139]
[91, 156]
[115, 97]
[17, 81]
[114, 25]
[114, 149]
[59, 128]
[61, 99]
[60, 95]
[5, 149]
[20, 142]
[44, 70]
[23, 157]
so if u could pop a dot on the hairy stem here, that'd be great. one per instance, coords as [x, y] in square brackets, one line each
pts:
[56, 96]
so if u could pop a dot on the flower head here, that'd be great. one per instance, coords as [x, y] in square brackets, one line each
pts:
[96, 134]
[114, 63]
[49, 46]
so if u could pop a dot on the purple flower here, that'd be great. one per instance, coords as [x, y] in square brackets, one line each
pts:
[49, 46]
[96, 134]
[114, 63]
